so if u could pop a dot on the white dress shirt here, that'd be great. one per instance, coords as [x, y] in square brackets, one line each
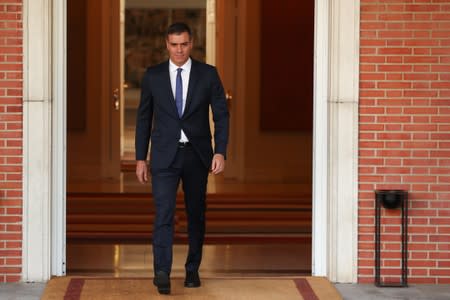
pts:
[185, 78]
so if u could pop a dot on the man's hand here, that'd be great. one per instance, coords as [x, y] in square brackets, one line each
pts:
[141, 171]
[218, 164]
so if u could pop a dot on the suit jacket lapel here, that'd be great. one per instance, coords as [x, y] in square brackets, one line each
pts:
[168, 87]
[193, 78]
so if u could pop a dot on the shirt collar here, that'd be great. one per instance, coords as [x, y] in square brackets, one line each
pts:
[187, 65]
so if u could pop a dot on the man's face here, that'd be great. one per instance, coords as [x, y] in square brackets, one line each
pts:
[179, 47]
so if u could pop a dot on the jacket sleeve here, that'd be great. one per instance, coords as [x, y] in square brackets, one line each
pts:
[144, 119]
[220, 114]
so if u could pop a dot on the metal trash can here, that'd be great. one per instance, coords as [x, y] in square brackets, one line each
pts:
[391, 199]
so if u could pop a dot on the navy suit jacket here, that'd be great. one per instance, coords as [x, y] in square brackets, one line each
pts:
[158, 120]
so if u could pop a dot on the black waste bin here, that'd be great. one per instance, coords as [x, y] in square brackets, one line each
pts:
[391, 199]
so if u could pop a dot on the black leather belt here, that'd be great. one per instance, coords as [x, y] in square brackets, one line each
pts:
[184, 144]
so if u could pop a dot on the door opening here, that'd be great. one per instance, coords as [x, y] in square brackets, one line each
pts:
[263, 199]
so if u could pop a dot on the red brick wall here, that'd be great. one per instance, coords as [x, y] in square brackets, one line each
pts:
[405, 133]
[10, 140]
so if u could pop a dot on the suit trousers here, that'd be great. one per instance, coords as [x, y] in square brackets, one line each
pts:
[193, 174]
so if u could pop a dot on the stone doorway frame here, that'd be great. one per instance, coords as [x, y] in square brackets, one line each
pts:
[335, 139]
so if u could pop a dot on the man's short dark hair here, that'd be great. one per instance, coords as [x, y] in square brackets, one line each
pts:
[179, 28]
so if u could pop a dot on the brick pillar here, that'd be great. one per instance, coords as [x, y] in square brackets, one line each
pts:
[11, 67]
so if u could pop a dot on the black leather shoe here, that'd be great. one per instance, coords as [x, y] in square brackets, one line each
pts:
[192, 280]
[162, 282]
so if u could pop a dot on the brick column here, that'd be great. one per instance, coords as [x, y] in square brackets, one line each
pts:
[11, 140]
[405, 133]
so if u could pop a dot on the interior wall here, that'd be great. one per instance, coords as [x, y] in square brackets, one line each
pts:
[269, 156]
[84, 143]
[287, 33]
[76, 53]
[273, 156]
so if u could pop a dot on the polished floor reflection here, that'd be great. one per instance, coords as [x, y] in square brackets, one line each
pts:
[279, 242]
[216, 184]
[135, 260]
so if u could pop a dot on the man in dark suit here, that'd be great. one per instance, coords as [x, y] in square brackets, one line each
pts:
[174, 114]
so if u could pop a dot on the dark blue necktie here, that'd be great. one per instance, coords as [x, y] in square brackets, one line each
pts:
[179, 92]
